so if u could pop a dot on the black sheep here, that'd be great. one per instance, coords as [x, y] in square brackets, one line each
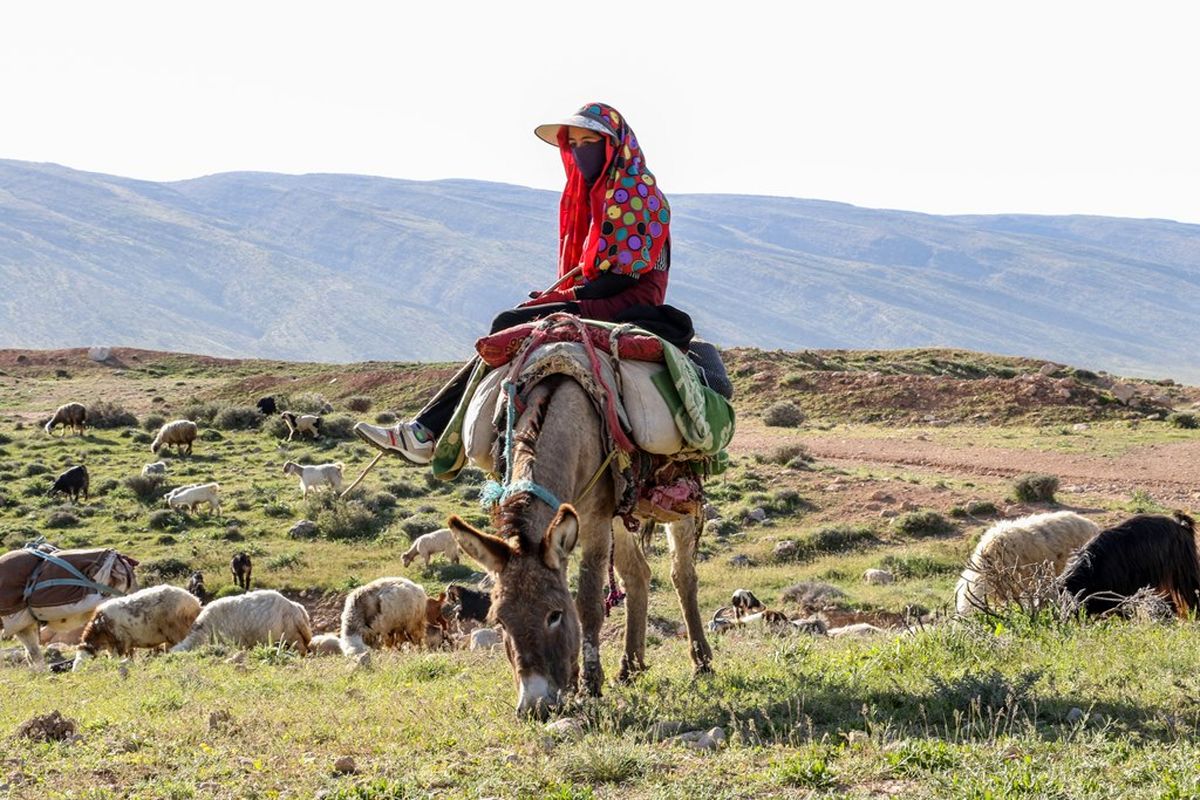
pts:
[73, 482]
[266, 406]
[1144, 551]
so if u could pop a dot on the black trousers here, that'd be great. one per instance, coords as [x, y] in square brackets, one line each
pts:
[436, 414]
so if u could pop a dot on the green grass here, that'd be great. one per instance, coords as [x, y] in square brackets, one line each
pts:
[963, 711]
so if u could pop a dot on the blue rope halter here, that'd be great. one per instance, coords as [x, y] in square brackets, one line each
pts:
[494, 493]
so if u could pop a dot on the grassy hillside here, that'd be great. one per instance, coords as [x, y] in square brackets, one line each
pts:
[951, 711]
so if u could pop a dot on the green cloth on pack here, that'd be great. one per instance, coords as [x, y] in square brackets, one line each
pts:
[450, 454]
[705, 419]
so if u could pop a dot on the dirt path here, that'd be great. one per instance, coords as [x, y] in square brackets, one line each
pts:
[1170, 473]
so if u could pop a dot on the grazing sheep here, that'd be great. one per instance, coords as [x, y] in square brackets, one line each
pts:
[744, 602]
[485, 639]
[246, 620]
[196, 587]
[161, 615]
[266, 406]
[302, 423]
[313, 476]
[242, 568]
[191, 496]
[181, 433]
[1011, 554]
[1144, 551]
[383, 609]
[157, 468]
[325, 644]
[72, 483]
[69, 415]
[429, 544]
[469, 604]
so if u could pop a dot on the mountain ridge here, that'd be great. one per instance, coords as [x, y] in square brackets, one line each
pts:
[353, 267]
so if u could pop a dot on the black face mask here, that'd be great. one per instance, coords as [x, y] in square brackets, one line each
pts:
[590, 159]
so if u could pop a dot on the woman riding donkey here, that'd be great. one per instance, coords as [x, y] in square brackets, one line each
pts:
[614, 257]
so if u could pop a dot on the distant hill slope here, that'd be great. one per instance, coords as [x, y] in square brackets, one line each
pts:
[344, 267]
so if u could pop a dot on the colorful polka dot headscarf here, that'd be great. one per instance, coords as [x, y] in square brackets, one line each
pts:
[620, 224]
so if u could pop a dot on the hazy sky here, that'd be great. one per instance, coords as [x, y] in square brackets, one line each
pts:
[1045, 107]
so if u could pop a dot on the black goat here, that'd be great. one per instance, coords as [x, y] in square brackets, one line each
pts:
[744, 602]
[266, 406]
[73, 482]
[242, 568]
[469, 603]
[1144, 551]
[196, 586]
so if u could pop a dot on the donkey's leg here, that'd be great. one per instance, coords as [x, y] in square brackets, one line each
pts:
[635, 574]
[28, 636]
[683, 537]
[589, 601]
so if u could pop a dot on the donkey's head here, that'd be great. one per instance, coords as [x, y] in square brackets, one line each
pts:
[532, 603]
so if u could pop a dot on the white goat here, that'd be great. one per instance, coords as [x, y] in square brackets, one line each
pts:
[313, 476]
[382, 609]
[1012, 552]
[191, 496]
[429, 544]
[157, 468]
[325, 644]
[181, 433]
[259, 617]
[160, 615]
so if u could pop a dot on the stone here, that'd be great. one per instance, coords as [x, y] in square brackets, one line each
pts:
[878, 577]
[757, 514]
[740, 560]
[785, 549]
[1124, 393]
[908, 505]
[711, 511]
[880, 496]
[887, 513]
[345, 766]
[1081, 426]
[567, 727]
[304, 529]
[1049, 368]
[1076, 715]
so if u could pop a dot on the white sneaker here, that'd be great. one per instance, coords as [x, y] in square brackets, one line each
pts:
[412, 441]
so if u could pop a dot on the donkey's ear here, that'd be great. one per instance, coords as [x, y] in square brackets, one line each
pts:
[560, 538]
[489, 551]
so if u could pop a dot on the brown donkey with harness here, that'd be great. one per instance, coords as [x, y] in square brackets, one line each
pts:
[557, 453]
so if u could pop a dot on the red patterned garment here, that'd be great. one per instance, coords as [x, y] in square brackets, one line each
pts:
[499, 348]
[621, 223]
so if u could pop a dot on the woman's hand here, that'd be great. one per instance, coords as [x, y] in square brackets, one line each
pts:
[556, 296]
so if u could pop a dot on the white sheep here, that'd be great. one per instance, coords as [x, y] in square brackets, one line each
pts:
[387, 608]
[429, 544]
[301, 423]
[325, 644]
[263, 616]
[160, 615]
[313, 476]
[69, 415]
[191, 496]
[181, 433]
[1011, 554]
[157, 468]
